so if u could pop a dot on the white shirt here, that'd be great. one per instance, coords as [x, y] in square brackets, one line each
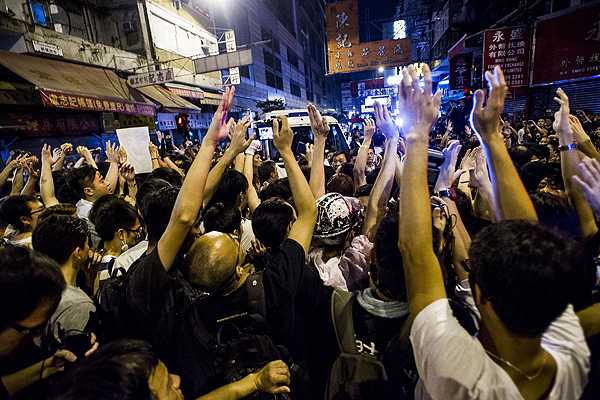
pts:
[128, 257]
[247, 235]
[83, 208]
[454, 365]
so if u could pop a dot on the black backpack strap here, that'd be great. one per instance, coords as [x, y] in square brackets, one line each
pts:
[343, 321]
[256, 295]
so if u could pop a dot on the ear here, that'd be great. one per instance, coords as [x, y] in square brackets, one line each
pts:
[88, 191]
[78, 253]
[25, 220]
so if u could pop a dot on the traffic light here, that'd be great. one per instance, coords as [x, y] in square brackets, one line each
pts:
[182, 121]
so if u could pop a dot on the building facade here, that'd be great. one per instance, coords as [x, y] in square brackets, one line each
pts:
[287, 38]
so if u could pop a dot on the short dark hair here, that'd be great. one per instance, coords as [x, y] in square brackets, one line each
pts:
[167, 174]
[265, 170]
[58, 209]
[387, 272]
[525, 271]
[26, 279]
[278, 189]
[149, 186]
[233, 184]
[80, 178]
[156, 208]
[221, 218]
[555, 212]
[270, 221]
[59, 235]
[63, 191]
[111, 213]
[342, 184]
[15, 207]
[117, 370]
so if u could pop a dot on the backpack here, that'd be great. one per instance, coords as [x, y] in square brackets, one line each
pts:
[243, 347]
[111, 306]
[355, 375]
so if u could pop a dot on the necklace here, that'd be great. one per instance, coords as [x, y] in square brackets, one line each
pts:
[517, 369]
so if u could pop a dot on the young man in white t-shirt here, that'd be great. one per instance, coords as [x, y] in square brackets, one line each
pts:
[530, 343]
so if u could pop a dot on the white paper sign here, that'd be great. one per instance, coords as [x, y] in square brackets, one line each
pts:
[136, 141]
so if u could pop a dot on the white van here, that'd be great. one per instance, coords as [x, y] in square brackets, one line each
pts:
[300, 124]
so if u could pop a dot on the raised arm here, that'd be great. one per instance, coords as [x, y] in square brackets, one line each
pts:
[569, 159]
[33, 176]
[112, 175]
[46, 179]
[302, 228]
[511, 198]
[154, 155]
[238, 145]
[18, 182]
[86, 154]
[253, 200]
[380, 193]
[360, 164]
[189, 199]
[588, 181]
[583, 140]
[320, 129]
[422, 270]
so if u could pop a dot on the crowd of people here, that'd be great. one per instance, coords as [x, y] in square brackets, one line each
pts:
[374, 274]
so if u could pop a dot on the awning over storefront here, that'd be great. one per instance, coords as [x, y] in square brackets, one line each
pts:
[213, 99]
[78, 87]
[185, 90]
[169, 102]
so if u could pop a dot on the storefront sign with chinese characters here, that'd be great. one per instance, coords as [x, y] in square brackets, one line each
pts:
[166, 121]
[508, 48]
[460, 71]
[193, 94]
[567, 47]
[52, 124]
[151, 78]
[89, 103]
[347, 54]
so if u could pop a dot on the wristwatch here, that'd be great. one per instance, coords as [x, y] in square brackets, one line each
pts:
[568, 147]
[449, 193]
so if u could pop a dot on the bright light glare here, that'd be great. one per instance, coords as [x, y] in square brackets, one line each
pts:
[399, 122]
[394, 80]
[380, 69]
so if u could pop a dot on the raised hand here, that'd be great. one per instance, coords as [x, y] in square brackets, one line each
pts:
[274, 378]
[480, 176]
[448, 173]
[561, 123]
[283, 136]
[127, 172]
[318, 124]
[46, 155]
[419, 106]
[112, 152]
[123, 154]
[239, 143]
[589, 182]
[85, 153]
[384, 122]
[369, 129]
[218, 129]
[67, 148]
[153, 150]
[578, 132]
[486, 120]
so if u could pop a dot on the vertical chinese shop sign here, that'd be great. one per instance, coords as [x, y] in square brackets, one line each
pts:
[345, 51]
[508, 48]
[567, 47]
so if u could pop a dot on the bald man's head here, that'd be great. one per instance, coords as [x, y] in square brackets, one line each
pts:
[211, 261]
